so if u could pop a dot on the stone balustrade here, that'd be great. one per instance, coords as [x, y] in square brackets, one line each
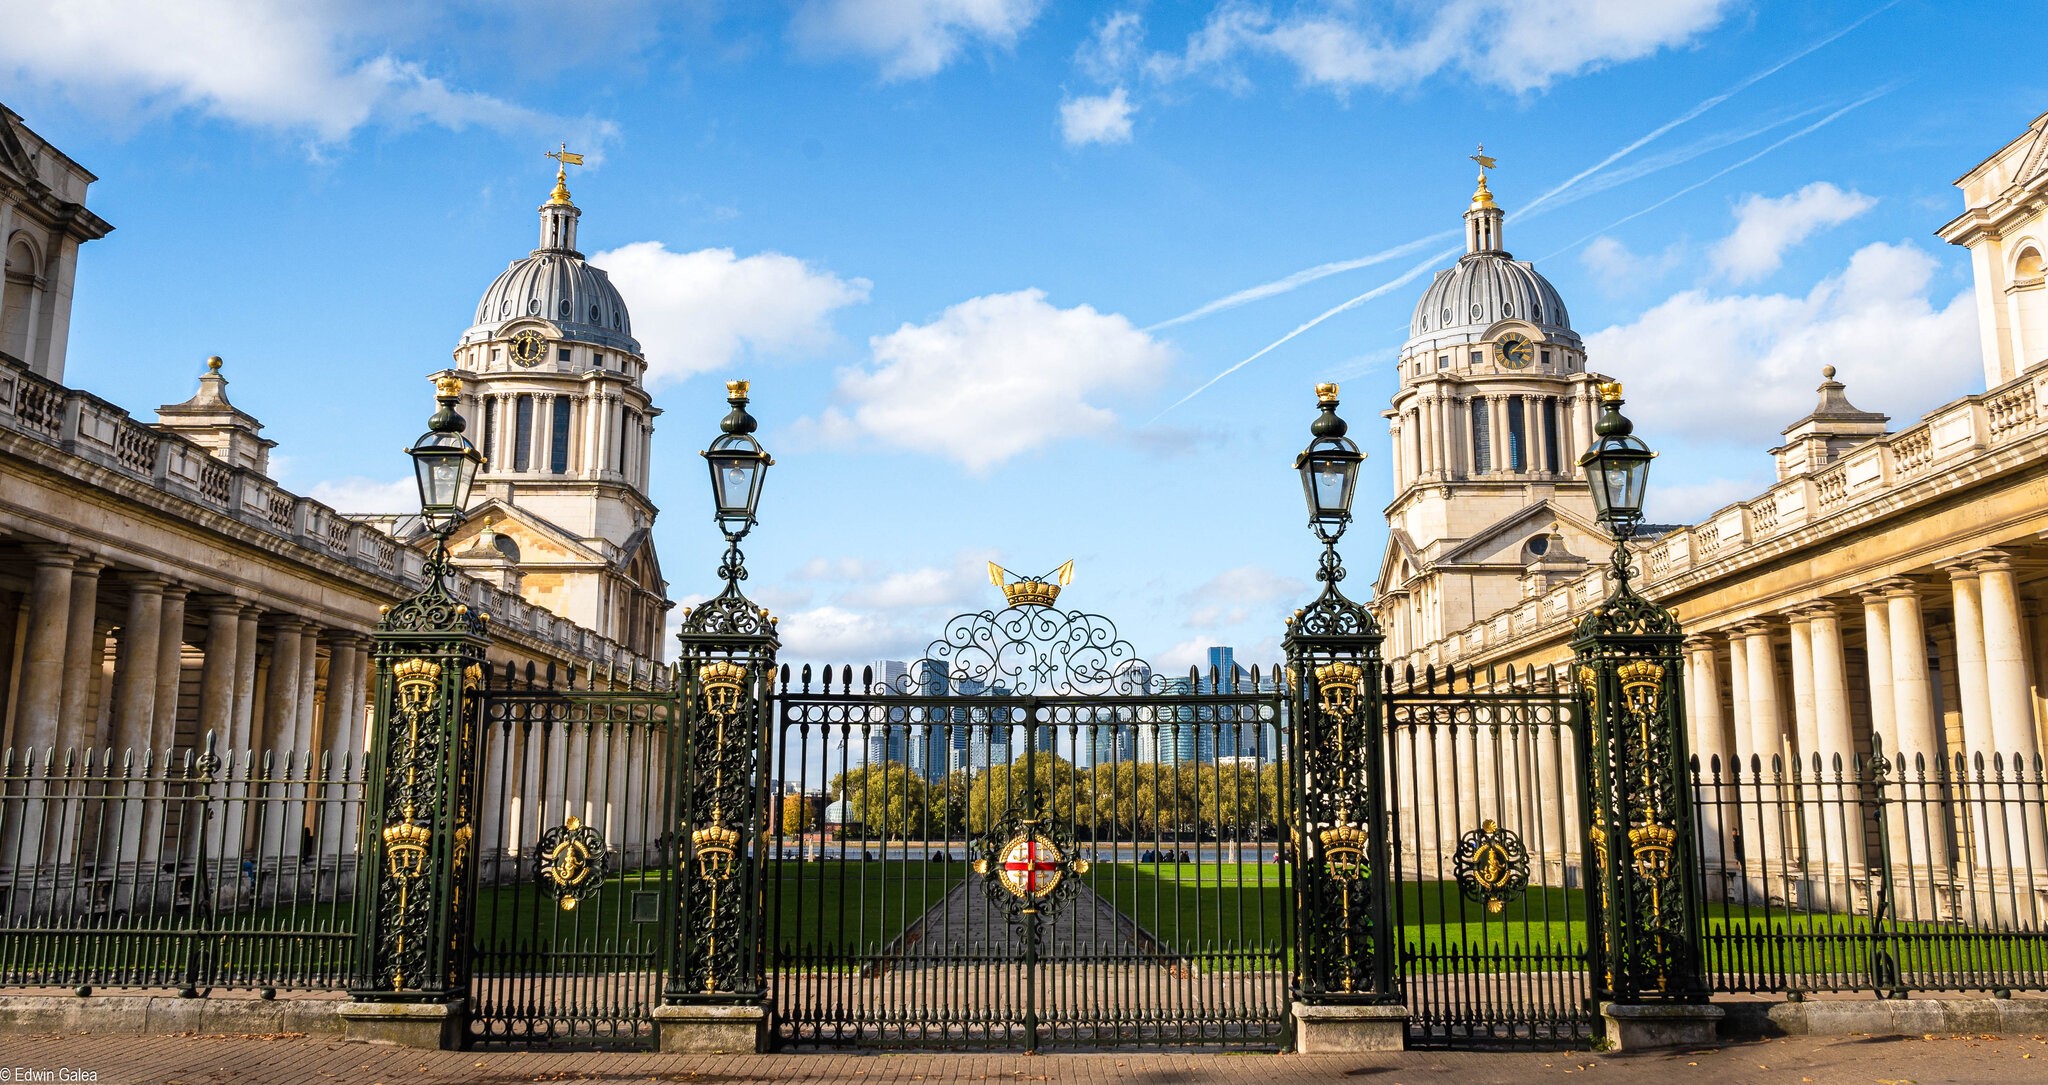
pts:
[1934, 452]
[108, 438]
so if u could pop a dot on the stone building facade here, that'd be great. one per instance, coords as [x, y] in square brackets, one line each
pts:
[1889, 587]
[157, 585]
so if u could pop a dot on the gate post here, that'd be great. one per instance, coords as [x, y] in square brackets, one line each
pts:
[715, 998]
[1644, 935]
[1345, 994]
[415, 879]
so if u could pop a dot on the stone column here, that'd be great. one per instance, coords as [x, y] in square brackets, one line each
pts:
[2013, 732]
[136, 661]
[242, 737]
[39, 704]
[281, 695]
[217, 676]
[1877, 650]
[1710, 748]
[1805, 728]
[1842, 815]
[303, 742]
[1919, 749]
[1971, 677]
[170, 662]
[81, 651]
[1766, 740]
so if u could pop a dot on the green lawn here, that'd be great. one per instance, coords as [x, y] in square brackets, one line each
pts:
[836, 908]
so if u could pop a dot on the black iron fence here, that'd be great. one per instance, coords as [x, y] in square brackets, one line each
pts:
[1871, 873]
[192, 870]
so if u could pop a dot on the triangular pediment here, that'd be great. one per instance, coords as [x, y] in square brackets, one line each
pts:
[13, 151]
[1501, 543]
[541, 542]
[1399, 563]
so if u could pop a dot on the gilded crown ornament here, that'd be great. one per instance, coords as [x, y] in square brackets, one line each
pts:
[1031, 591]
[723, 681]
[1338, 684]
[715, 847]
[1344, 848]
[405, 848]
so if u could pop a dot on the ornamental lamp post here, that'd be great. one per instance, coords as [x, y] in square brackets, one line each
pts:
[738, 466]
[445, 464]
[1618, 467]
[1329, 479]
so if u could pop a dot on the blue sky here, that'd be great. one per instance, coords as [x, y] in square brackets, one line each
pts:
[949, 241]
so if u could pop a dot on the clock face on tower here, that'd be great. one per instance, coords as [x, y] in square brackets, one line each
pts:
[527, 347]
[1515, 350]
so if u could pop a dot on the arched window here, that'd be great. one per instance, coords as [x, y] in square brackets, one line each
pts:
[18, 298]
[2030, 308]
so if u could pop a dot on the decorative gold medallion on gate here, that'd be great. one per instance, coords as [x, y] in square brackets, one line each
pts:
[1030, 866]
[1337, 686]
[572, 858]
[1492, 865]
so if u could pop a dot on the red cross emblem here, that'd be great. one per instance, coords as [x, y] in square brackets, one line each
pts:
[1031, 866]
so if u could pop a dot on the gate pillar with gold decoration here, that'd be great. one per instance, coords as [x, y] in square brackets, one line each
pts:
[715, 995]
[416, 880]
[1345, 994]
[1644, 853]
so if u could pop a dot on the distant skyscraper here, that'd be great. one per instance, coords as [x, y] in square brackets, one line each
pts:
[889, 736]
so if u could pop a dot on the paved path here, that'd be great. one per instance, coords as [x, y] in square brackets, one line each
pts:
[297, 1060]
[966, 924]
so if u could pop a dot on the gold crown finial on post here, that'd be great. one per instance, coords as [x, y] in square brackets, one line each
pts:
[1326, 393]
[1610, 391]
[737, 389]
[448, 386]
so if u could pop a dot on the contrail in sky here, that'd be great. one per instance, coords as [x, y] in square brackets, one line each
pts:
[1323, 271]
[1300, 278]
[1407, 277]
[1725, 171]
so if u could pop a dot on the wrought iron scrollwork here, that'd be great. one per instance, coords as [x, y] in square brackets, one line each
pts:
[1033, 650]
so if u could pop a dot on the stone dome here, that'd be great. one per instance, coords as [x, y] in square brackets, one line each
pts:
[559, 287]
[1484, 288]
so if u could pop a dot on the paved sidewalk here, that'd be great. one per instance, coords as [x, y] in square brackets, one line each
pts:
[298, 1060]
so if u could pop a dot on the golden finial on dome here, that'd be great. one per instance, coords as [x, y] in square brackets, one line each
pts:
[1481, 198]
[564, 158]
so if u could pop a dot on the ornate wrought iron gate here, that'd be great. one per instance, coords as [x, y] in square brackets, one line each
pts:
[1028, 840]
[574, 875]
[1489, 887]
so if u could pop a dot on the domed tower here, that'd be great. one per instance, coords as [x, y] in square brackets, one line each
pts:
[1494, 407]
[553, 392]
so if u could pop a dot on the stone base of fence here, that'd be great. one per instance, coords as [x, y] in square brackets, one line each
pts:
[142, 1014]
[1342, 1030]
[711, 1030]
[1887, 1017]
[1660, 1024]
[432, 1025]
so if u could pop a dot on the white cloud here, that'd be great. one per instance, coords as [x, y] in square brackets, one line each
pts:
[1765, 228]
[1116, 45]
[1521, 45]
[1617, 266]
[993, 377]
[1235, 596]
[912, 38]
[1101, 118]
[1735, 369]
[694, 312]
[358, 494]
[292, 67]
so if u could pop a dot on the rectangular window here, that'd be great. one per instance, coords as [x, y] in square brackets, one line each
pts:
[522, 433]
[490, 427]
[1550, 451]
[1518, 436]
[1478, 356]
[597, 361]
[1443, 361]
[1546, 359]
[1482, 436]
[558, 456]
